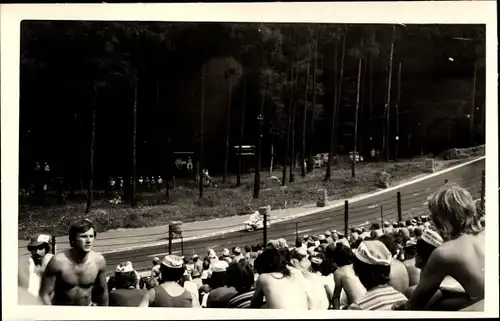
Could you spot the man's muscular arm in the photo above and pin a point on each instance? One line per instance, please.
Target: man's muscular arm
(101, 286)
(432, 275)
(52, 271)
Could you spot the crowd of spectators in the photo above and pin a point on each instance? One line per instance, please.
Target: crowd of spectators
(431, 262)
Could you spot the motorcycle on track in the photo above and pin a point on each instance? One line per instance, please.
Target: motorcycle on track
(255, 222)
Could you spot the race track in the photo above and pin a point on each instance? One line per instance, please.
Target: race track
(362, 212)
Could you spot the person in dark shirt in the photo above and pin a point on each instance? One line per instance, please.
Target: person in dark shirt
(126, 293)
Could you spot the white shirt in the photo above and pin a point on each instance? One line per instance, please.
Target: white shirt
(36, 274)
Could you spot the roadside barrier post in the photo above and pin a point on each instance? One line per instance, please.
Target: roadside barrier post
(170, 239)
(346, 218)
(381, 215)
(182, 245)
(296, 230)
(53, 244)
(400, 213)
(483, 189)
(265, 229)
(446, 181)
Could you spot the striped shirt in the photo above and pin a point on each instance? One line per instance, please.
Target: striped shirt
(382, 297)
(242, 301)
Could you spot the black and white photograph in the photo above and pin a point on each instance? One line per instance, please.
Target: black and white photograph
(213, 164)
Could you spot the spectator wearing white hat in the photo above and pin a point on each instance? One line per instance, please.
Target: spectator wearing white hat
(226, 256)
(155, 271)
(329, 238)
(322, 239)
(220, 294)
(126, 293)
(453, 212)
(212, 256)
(197, 269)
(372, 264)
(170, 294)
(39, 246)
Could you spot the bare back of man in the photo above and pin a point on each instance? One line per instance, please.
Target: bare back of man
(463, 260)
(282, 292)
(399, 278)
(467, 261)
(413, 271)
(72, 282)
(347, 280)
(317, 291)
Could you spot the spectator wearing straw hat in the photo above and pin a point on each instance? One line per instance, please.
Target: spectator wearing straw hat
(170, 294)
(226, 256)
(126, 293)
(372, 264)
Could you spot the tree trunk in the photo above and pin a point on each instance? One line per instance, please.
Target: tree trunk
(242, 125)
(472, 107)
(287, 148)
(304, 120)
(272, 157)
(371, 101)
(353, 168)
(202, 132)
(396, 147)
(292, 144)
(225, 178)
(313, 109)
(339, 96)
(92, 151)
(388, 104)
(134, 144)
(258, 154)
(328, 174)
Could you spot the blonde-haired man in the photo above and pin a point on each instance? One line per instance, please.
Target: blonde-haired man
(462, 255)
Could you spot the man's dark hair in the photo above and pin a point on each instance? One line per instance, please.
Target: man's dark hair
(170, 274)
(217, 279)
(255, 248)
(78, 228)
(327, 267)
(343, 255)
(248, 249)
(298, 242)
(390, 243)
(424, 251)
(285, 254)
(240, 276)
(185, 260)
(270, 261)
(125, 280)
(417, 231)
(371, 275)
(410, 252)
(375, 226)
(408, 222)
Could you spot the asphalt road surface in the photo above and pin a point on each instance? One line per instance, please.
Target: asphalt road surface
(361, 213)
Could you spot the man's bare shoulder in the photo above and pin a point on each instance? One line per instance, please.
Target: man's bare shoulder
(98, 258)
(446, 254)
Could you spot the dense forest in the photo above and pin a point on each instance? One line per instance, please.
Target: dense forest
(103, 98)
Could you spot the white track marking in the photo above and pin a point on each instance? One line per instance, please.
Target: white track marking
(373, 206)
(304, 231)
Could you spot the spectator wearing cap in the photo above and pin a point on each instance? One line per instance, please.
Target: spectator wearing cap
(387, 229)
(126, 293)
(449, 288)
(453, 212)
(410, 255)
(170, 294)
(372, 264)
(335, 236)
(39, 246)
(322, 239)
(212, 256)
(226, 256)
(248, 252)
(240, 276)
(305, 238)
(348, 287)
(237, 255)
(329, 238)
(398, 278)
(221, 293)
(316, 240)
(281, 288)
